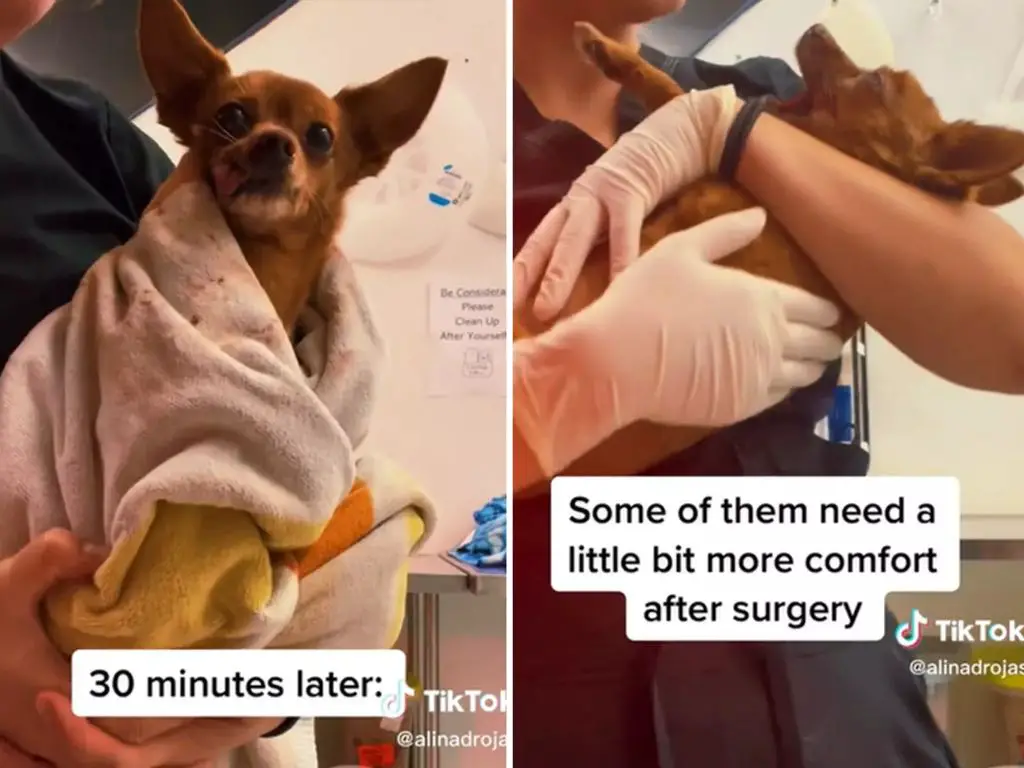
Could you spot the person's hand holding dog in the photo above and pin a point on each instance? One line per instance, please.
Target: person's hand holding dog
(677, 144)
(677, 340)
(29, 663)
(35, 711)
(194, 743)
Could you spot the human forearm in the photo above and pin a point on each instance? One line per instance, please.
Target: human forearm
(944, 282)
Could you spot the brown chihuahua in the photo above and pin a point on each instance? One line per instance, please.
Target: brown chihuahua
(882, 117)
(279, 153)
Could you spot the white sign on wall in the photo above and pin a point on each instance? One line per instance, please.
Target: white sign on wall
(469, 337)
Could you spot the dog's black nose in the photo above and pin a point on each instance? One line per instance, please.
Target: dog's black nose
(271, 152)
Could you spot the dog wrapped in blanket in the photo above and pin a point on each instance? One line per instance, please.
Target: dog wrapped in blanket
(199, 406)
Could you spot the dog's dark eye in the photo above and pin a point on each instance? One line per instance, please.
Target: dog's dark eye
(233, 120)
(319, 139)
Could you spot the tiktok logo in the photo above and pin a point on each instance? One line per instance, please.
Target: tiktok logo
(909, 634)
(393, 705)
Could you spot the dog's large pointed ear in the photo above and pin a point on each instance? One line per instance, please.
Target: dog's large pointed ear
(977, 161)
(179, 63)
(383, 115)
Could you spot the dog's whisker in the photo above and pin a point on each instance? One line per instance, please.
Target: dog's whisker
(320, 206)
(219, 133)
(224, 131)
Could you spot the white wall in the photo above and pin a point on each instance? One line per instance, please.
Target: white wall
(920, 424)
(455, 446)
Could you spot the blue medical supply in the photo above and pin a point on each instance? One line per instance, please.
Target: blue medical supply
(840, 418)
(486, 548)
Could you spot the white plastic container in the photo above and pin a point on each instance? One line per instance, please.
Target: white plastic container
(425, 192)
(489, 209)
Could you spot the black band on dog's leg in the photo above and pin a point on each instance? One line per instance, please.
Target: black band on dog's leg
(282, 728)
(736, 141)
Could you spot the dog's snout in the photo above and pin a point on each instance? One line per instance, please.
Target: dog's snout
(272, 151)
(820, 31)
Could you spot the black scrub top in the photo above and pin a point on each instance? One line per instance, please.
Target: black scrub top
(75, 176)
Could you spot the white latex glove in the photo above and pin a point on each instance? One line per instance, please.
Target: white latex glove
(678, 340)
(676, 145)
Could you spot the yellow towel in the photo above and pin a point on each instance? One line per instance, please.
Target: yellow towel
(203, 578)
(352, 594)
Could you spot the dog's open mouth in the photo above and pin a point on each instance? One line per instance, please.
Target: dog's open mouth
(818, 90)
(231, 181)
(260, 186)
(797, 105)
(822, 64)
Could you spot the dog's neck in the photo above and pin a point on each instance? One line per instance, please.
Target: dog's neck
(287, 262)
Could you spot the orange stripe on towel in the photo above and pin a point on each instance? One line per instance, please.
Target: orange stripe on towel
(352, 519)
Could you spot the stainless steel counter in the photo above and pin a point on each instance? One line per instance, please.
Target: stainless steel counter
(430, 577)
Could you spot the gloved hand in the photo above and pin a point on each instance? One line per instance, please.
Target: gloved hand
(676, 339)
(676, 145)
